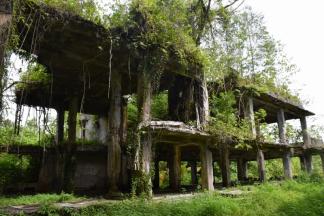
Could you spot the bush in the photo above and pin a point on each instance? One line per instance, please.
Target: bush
(13, 169)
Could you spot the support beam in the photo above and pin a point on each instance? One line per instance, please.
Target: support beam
(308, 162)
(286, 160)
(225, 165)
(144, 99)
(207, 175)
(249, 115)
(69, 157)
(242, 169)
(193, 169)
(322, 159)
(124, 174)
(281, 126)
(5, 20)
(261, 165)
(175, 168)
(156, 180)
(201, 103)
(59, 126)
(302, 163)
(114, 147)
(72, 120)
(306, 137)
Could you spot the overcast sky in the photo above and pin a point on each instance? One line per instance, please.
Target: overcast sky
(298, 24)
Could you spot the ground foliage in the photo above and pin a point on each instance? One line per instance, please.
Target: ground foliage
(303, 196)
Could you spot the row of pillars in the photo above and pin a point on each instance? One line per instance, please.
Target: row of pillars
(305, 163)
(207, 178)
(174, 164)
(255, 126)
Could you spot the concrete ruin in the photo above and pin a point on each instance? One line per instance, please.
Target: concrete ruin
(76, 54)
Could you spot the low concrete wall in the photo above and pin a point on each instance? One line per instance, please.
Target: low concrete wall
(90, 174)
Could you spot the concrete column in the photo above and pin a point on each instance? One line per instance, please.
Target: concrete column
(308, 162)
(69, 153)
(5, 25)
(193, 169)
(114, 147)
(144, 99)
(241, 169)
(281, 126)
(156, 180)
(249, 115)
(59, 126)
(207, 175)
(286, 160)
(302, 163)
(175, 168)
(225, 165)
(261, 165)
(72, 119)
(322, 159)
(124, 174)
(201, 102)
(306, 137)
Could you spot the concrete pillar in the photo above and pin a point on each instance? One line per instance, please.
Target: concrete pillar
(69, 157)
(144, 99)
(322, 159)
(249, 115)
(308, 162)
(114, 147)
(201, 102)
(193, 170)
(241, 169)
(59, 126)
(302, 163)
(281, 126)
(207, 174)
(156, 180)
(124, 174)
(5, 25)
(225, 165)
(261, 165)
(72, 120)
(306, 137)
(286, 160)
(175, 168)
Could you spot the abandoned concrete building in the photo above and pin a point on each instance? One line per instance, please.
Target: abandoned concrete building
(93, 73)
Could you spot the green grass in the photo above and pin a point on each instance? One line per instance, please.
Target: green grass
(43, 199)
(283, 198)
(305, 196)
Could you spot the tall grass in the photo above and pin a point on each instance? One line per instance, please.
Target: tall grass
(302, 197)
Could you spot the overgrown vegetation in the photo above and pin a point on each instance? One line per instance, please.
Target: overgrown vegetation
(43, 199)
(16, 169)
(302, 197)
